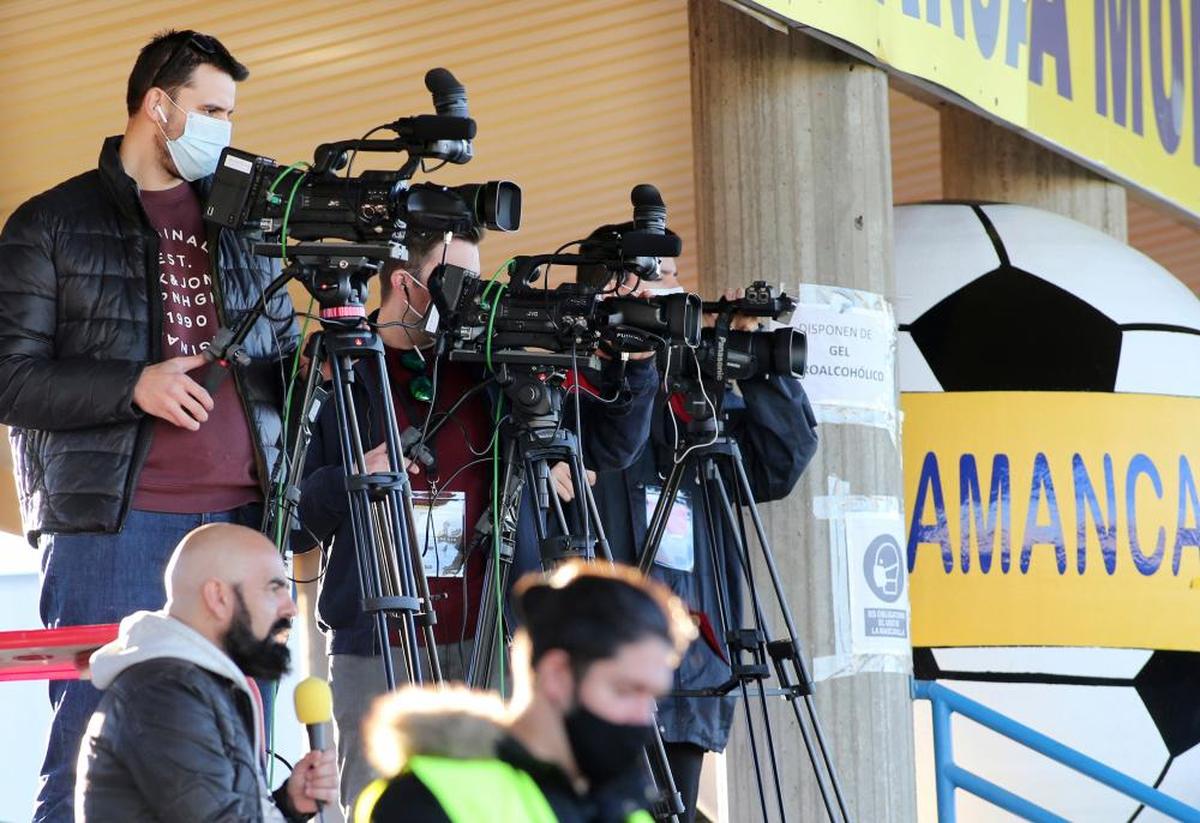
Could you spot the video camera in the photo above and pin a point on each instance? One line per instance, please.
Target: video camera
(502, 322)
(727, 354)
(252, 194)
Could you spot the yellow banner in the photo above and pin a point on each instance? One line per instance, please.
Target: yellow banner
(1115, 82)
(1053, 518)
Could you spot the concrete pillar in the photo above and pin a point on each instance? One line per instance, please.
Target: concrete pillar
(793, 182)
(984, 161)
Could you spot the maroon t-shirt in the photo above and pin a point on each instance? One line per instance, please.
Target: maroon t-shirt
(469, 427)
(212, 469)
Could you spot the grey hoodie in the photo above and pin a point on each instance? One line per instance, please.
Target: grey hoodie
(153, 635)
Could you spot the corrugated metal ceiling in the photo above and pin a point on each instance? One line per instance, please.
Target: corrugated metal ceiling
(577, 102)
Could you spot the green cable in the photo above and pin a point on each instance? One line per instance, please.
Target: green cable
(271, 735)
(492, 280)
(496, 544)
(287, 406)
(491, 325)
(487, 289)
(287, 211)
(282, 174)
(287, 410)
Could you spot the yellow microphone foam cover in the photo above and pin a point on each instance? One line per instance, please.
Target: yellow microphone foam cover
(314, 701)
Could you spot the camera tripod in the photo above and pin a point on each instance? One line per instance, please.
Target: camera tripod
(535, 441)
(392, 582)
(707, 449)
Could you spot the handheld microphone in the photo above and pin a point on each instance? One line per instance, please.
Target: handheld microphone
(314, 708)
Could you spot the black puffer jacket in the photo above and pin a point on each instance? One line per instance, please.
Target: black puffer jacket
(176, 737)
(80, 317)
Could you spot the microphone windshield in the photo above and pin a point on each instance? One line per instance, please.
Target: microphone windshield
(314, 701)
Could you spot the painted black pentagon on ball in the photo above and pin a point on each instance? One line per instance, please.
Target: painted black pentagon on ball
(1168, 685)
(1012, 331)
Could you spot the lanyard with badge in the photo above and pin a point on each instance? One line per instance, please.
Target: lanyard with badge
(441, 532)
(677, 549)
(439, 520)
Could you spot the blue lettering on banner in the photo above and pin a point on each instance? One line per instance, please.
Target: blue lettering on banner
(999, 506)
(1049, 39)
(985, 14)
(1106, 530)
(938, 531)
(1186, 535)
(1095, 496)
(1119, 36)
(1168, 102)
(1037, 533)
(1139, 465)
(1018, 31)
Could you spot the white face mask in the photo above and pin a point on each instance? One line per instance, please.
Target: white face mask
(197, 150)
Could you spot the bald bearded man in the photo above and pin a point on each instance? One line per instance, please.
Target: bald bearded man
(178, 734)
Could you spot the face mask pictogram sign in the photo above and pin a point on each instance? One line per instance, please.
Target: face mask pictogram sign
(879, 611)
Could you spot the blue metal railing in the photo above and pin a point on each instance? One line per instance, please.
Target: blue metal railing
(951, 776)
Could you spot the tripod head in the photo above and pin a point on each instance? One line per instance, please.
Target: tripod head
(335, 274)
(536, 402)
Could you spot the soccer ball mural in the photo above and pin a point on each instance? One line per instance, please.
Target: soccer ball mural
(1051, 385)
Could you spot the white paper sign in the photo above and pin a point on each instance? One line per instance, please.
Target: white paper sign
(879, 612)
(851, 349)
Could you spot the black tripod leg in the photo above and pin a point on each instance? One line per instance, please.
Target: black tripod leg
(403, 554)
(309, 409)
(487, 647)
(369, 577)
(428, 618)
(594, 514)
(825, 759)
(669, 805)
(709, 477)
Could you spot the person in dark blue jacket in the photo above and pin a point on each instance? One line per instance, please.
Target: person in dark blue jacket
(772, 422)
(459, 482)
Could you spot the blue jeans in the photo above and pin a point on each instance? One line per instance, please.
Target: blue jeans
(96, 579)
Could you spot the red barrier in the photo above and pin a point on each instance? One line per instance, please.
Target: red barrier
(51, 654)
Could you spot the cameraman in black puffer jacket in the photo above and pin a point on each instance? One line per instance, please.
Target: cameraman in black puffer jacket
(111, 286)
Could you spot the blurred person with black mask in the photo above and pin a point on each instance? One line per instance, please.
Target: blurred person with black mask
(179, 733)
(596, 647)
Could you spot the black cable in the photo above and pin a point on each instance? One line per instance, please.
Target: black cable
(449, 413)
(546, 273)
(436, 379)
(354, 152)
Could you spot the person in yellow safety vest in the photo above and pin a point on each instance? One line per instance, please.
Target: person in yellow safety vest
(597, 646)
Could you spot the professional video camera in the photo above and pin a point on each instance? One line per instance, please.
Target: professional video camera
(730, 354)
(253, 194)
(503, 322)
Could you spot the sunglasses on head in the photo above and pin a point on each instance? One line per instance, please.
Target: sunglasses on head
(195, 40)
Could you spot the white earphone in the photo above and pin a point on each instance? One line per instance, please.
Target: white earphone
(158, 108)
